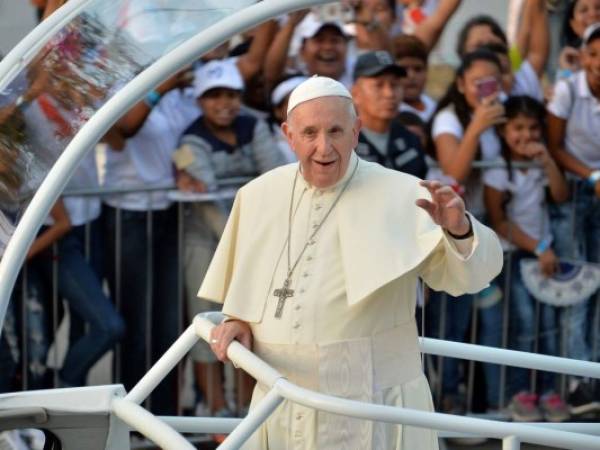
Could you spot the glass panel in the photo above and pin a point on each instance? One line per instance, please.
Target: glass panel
(73, 75)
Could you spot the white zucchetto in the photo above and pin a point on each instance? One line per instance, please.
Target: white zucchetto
(316, 87)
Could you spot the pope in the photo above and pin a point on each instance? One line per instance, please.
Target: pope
(317, 271)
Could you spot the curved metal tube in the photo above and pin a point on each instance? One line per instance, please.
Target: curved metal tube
(102, 120)
(149, 425)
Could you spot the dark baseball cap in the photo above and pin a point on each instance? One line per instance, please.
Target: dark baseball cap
(371, 64)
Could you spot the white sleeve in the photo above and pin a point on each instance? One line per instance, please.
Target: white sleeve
(527, 82)
(444, 122)
(496, 178)
(560, 104)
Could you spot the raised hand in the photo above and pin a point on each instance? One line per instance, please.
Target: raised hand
(446, 208)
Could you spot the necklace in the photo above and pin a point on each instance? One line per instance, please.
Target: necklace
(284, 292)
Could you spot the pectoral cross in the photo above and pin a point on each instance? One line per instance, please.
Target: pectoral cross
(283, 294)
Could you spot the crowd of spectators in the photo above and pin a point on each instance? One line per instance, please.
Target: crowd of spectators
(220, 118)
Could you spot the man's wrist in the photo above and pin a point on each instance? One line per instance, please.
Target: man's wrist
(465, 235)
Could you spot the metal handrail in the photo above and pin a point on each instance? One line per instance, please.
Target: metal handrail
(280, 388)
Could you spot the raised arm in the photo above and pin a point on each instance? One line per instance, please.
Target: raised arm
(60, 226)
(128, 125)
(534, 46)
(277, 55)
(430, 30)
(252, 62)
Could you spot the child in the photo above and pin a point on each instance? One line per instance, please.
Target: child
(221, 143)
(411, 54)
(573, 136)
(515, 201)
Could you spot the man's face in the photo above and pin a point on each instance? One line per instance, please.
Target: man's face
(416, 76)
(323, 133)
(378, 97)
(325, 53)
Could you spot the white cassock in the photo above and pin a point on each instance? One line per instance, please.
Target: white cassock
(349, 330)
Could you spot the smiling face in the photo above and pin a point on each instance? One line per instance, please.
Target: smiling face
(590, 61)
(220, 106)
(585, 13)
(323, 133)
(519, 132)
(325, 53)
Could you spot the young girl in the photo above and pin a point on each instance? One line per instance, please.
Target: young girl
(462, 131)
(516, 203)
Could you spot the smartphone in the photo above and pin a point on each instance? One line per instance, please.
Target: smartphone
(487, 86)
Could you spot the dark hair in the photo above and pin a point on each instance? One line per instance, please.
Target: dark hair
(409, 46)
(456, 98)
(498, 49)
(477, 21)
(568, 35)
(408, 118)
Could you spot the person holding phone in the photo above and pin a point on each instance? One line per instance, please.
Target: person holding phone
(463, 131)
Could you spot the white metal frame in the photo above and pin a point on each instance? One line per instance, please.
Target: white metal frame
(128, 409)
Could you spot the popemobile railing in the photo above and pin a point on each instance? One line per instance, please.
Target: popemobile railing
(572, 436)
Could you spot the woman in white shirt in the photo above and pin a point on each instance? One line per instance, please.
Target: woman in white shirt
(462, 131)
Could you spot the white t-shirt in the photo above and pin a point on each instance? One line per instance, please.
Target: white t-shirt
(146, 158)
(446, 121)
(574, 102)
(527, 205)
(83, 209)
(527, 82)
(426, 114)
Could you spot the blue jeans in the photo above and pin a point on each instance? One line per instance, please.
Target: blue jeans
(147, 294)
(576, 227)
(458, 318)
(522, 320)
(80, 285)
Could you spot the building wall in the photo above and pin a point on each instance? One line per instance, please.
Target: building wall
(17, 18)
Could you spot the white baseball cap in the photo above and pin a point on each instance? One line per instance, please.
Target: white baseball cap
(316, 87)
(311, 25)
(283, 89)
(217, 74)
(593, 31)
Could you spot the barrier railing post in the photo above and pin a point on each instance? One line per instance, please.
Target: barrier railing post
(511, 443)
(252, 421)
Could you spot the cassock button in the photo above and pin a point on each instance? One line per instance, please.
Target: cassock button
(315, 225)
(318, 206)
(305, 274)
(297, 307)
(302, 290)
(296, 325)
(309, 258)
(299, 416)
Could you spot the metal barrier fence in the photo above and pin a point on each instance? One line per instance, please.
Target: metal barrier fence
(434, 366)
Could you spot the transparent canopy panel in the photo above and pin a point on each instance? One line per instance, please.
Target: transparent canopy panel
(74, 74)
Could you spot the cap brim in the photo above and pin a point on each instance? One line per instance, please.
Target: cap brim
(378, 70)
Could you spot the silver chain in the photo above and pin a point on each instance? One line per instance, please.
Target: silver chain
(290, 268)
